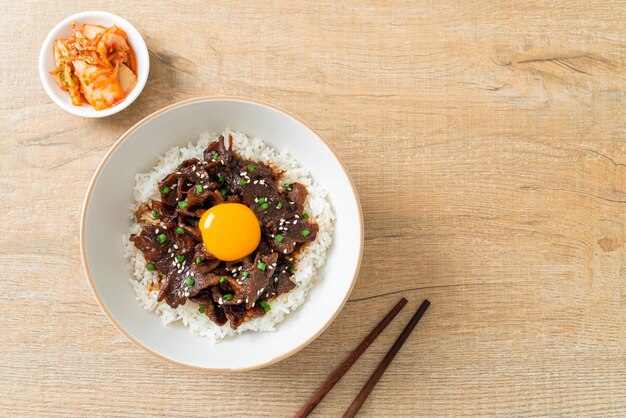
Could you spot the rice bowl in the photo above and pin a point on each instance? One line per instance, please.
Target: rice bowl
(109, 199)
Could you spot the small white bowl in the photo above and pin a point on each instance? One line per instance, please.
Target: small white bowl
(105, 218)
(63, 30)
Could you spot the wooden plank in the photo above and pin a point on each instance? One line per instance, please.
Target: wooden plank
(488, 145)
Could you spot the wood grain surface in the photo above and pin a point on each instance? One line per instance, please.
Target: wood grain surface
(488, 146)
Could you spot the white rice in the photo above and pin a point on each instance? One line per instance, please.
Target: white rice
(306, 265)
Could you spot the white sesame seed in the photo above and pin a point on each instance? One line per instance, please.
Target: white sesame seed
(261, 181)
(285, 251)
(295, 222)
(255, 182)
(297, 217)
(164, 226)
(175, 246)
(156, 231)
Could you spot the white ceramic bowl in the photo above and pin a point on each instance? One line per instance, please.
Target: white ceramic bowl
(105, 218)
(63, 30)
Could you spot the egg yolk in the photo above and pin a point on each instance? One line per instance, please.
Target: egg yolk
(230, 231)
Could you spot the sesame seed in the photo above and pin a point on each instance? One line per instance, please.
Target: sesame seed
(261, 181)
(295, 222)
(175, 246)
(297, 217)
(255, 182)
(285, 251)
(164, 226)
(156, 231)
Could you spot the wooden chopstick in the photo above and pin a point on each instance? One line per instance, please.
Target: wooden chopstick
(348, 362)
(375, 377)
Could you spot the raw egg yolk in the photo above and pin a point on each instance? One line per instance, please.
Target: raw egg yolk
(230, 231)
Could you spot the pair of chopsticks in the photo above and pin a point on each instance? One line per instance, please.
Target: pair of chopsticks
(354, 356)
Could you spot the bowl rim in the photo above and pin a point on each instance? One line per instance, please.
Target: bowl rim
(113, 149)
(140, 49)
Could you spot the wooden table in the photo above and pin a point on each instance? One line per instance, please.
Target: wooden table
(488, 145)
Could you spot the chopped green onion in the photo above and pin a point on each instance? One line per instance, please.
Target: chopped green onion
(150, 267)
(190, 281)
(289, 266)
(261, 266)
(265, 206)
(223, 192)
(201, 309)
(199, 188)
(183, 204)
(305, 233)
(287, 186)
(215, 156)
(180, 258)
(251, 168)
(162, 238)
(246, 274)
(165, 190)
(262, 200)
(279, 238)
(266, 306)
(180, 230)
(227, 296)
(243, 182)
(221, 179)
(223, 279)
(156, 214)
(305, 215)
(198, 261)
(280, 205)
